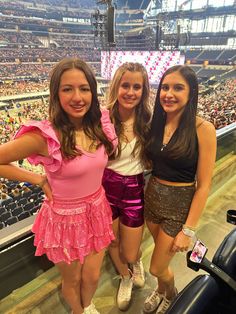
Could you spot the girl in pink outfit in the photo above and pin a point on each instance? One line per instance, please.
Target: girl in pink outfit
(74, 224)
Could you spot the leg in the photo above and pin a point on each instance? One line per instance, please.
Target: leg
(153, 228)
(71, 279)
(161, 257)
(90, 276)
(126, 283)
(160, 261)
(130, 240)
(114, 251)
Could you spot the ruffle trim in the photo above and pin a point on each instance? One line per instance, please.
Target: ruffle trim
(109, 128)
(72, 237)
(53, 162)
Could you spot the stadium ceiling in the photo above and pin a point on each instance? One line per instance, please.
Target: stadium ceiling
(197, 14)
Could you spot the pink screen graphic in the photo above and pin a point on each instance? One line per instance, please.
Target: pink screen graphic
(156, 62)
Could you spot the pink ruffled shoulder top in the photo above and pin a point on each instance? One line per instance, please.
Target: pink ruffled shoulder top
(74, 178)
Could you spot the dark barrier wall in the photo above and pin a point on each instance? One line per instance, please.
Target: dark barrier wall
(111, 24)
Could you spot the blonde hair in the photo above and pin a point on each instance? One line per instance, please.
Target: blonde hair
(142, 110)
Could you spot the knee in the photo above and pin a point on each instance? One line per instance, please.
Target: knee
(115, 244)
(130, 257)
(156, 271)
(70, 283)
(91, 277)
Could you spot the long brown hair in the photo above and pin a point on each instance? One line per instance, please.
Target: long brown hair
(59, 118)
(142, 110)
(185, 141)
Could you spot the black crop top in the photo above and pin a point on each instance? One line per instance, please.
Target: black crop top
(182, 169)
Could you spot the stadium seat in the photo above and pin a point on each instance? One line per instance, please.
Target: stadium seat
(17, 211)
(23, 215)
(5, 216)
(2, 210)
(10, 206)
(225, 256)
(11, 221)
(207, 295)
(22, 201)
(198, 297)
(27, 207)
(34, 210)
(6, 202)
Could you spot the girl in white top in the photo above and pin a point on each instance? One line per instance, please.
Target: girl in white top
(128, 102)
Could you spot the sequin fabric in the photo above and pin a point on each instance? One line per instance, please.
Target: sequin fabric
(167, 205)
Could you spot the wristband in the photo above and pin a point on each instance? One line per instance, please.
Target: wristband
(189, 227)
(188, 232)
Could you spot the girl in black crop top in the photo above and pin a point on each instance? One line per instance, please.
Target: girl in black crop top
(182, 149)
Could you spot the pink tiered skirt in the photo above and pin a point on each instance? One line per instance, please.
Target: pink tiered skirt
(69, 230)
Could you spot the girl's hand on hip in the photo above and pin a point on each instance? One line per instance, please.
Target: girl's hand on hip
(45, 186)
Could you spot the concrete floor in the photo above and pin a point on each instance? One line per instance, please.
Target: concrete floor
(212, 230)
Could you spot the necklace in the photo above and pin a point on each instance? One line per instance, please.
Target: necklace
(163, 147)
(168, 133)
(128, 127)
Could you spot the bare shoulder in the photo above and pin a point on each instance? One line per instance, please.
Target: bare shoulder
(204, 127)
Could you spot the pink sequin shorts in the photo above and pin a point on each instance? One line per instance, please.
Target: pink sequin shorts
(70, 230)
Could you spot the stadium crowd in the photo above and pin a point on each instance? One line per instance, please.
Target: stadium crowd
(217, 107)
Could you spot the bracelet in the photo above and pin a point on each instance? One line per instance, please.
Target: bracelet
(188, 227)
(41, 184)
(188, 232)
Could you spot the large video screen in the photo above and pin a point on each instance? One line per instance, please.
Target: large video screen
(156, 62)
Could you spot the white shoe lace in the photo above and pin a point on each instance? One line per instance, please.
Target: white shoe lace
(125, 288)
(138, 269)
(152, 301)
(163, 306)
(138, 274)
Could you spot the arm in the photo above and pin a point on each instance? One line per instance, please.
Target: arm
(20, 148)
(206, 161)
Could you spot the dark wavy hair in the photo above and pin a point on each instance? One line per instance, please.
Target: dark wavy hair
(142, 110)
(59, 118)
(184, 142)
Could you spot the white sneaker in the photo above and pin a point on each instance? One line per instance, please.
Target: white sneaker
(138, 274)
(124, 292)
(153, 301)
(162, 308)
(90, 309)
